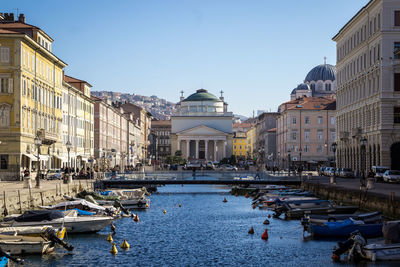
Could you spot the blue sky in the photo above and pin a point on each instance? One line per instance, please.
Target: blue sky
(255, 51)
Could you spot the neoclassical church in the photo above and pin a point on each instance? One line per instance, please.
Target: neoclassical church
(319, 82)
(201, 127)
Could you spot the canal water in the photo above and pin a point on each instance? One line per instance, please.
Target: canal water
(204, 231)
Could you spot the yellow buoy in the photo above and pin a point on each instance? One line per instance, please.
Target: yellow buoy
(164, 211)
(114, 249)
(125, 245)
(109, 238)
(147, 205)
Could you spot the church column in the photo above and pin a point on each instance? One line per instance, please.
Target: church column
(224, 151)
(179, 144)
(215, 150)
(187, 148)
(197, 149)
(206, 149)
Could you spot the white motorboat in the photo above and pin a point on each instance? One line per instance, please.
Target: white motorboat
(72, 222)
(81, 204)
(382, 252)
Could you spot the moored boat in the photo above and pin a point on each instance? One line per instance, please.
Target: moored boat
(55, 218)
(344, 229)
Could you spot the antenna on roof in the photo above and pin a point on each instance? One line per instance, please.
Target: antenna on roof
(221, 92)
(325, 60)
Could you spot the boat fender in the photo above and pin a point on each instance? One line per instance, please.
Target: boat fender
(247, 195)
(269, 216)
(264, 235)
(251, 231)
(253, 206)
(125, 245)
(109, 238)
(114, 249)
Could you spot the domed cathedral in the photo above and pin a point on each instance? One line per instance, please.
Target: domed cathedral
(319, 82)
(201, 127)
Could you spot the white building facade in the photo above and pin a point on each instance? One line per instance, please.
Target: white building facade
(368, 94)
(201, 127)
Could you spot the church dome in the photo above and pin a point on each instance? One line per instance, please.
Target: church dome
(202, 95)
(303, 86)
(321, 72)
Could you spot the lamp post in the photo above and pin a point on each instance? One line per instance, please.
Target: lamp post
(69, 146)
(333, 178)
(301, 164)
(289, 161)
(363, 143)
(38, 143)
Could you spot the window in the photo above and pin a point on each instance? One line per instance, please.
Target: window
(4, 162)
(307, 120)
(307, 135)
(333, 120)
(328, 87)
(240, 147)
(294, 120)
(306, 148)
(397, 18)
(396, 50)
(4, 54)
(319, 120)
(6, 85)
(396, 82)
(333, 135)
(396, 114)
(320, 149)
(319, 135)
(294, 135)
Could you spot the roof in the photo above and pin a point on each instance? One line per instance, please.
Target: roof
(202, 95)
(321, 72)
(353, 18)
(70, 79)
(242, 125)
(310, 103)
(23, 26)
(8, 31)
(161, 123)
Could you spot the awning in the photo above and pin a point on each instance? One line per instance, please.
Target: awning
(44, 157)
(32, 157)
(64, 159)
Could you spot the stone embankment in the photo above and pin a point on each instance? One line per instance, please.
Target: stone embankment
(382, 197)
(14, 198)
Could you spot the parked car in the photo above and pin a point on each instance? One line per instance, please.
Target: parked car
(346, 172)
(327, 171)
(331, 171)
(391, 176)
(53, 175)
(228, 167)
(379, 171)
(210, 165)
(193, 165)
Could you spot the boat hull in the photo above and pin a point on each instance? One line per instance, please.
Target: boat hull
(366, 230)
(382, 252)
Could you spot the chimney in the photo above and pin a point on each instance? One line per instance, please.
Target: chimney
(21, 18)
(11, 16)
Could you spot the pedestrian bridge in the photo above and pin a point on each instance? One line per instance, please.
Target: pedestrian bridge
(135, 179)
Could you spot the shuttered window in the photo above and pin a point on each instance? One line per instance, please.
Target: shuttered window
(397, 82)
(397, 18)
(4, 54)
(396, 114)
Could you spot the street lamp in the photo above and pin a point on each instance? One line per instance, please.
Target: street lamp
(363, 143)
(38, 143)
(289, 161)
(69, 146)
(333, 178)
(300, 164)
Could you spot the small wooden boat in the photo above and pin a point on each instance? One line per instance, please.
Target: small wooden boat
(345, 228)
(17, 245)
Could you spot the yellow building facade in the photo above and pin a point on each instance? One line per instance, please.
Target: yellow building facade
(239, 143)
(251, 140)
(30, 99)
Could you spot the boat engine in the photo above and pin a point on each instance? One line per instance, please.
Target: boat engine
(353, 246)
(51, 235)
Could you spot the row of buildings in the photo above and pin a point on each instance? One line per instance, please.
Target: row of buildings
(51, 119)
(348, 114)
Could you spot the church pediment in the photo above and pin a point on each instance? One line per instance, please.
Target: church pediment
(201, 130)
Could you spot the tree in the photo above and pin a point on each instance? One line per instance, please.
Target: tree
(178, 153)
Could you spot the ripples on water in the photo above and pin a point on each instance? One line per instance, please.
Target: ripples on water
(203, 232)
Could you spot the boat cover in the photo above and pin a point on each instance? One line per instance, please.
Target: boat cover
(78, 202)
(39, 215)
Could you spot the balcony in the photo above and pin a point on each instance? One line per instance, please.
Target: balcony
(47, 137)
